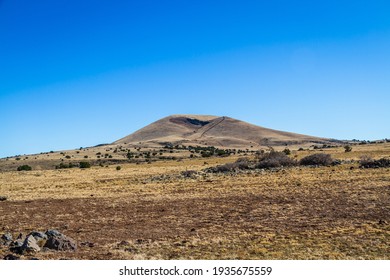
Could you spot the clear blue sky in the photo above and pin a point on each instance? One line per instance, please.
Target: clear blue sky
(80, 73)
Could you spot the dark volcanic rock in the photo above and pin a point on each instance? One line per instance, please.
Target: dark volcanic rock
(16, 249)
(87, 244)
(6, 239)
(53, 233)
(11, 257)
(60, 242)
(16, 245)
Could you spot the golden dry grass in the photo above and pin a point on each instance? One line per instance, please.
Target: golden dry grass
(339, 212)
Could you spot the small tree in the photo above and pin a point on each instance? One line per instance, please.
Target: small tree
(347, 148)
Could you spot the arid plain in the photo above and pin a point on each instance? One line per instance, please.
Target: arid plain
(160, 210)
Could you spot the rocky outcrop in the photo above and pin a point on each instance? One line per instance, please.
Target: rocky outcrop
(58, 241)
(37, 241)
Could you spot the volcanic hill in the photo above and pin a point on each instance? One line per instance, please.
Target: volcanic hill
(213, 131)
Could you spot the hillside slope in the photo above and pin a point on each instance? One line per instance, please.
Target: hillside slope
(213, 131)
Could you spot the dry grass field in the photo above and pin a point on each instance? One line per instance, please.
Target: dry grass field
(153, 211)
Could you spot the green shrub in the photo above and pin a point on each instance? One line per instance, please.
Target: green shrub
(24, 168)
(85, 164)
(118, 168)
(64, 165)
(347, 148)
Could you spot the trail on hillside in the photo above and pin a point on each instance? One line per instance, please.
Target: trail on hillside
(214, 125)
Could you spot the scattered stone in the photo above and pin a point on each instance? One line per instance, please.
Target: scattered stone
(87, 244)
(60, 242)
(30, 245)
(129, 249)
(53, 233)
(16, 247)
(40, 237)
(17, 243)
(6, 239)
(11, 257)
(141, 241)
(123, 243)
(189, 174)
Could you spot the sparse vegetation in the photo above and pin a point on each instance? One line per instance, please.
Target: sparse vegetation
(65, 165)
(274, 159)
(176, 210)
(368, 162)
(130, 155)
(319, 159)
(24, 168)
(84, 164)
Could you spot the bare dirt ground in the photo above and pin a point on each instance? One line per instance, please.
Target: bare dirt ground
(152, 211)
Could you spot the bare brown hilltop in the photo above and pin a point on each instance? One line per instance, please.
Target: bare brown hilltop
(214, 131)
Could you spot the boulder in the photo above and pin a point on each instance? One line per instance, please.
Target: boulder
(60, 242)
(40, 237)
(6, 239)
(17, 243)
(30, 245)
(53, 233)
(16, 246)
